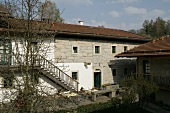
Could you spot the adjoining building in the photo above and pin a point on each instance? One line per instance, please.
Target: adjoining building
(153, 60)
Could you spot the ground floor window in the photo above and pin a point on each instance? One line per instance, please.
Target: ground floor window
(125, 71)
(75, 75)
(35, 78)
(114, 72)
(8, 81)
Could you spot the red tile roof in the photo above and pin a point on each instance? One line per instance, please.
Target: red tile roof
(157, 47)
(96, 31)
(62, 28)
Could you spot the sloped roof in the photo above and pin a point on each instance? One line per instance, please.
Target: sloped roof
(159, 47)
(3, 9)
(96, 31)
(62, 28)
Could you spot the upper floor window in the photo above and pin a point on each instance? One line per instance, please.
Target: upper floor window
(113, 49)
(74, 49)
(34, 46)
(97, 49)
(125, 48)
(75, 75)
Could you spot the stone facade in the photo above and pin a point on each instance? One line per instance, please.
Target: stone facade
(103, 62)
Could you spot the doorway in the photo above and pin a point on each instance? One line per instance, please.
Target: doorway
(97, 79)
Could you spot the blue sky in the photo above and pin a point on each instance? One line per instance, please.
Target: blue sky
(118, 14)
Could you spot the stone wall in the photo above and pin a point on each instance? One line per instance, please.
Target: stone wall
(100, 62)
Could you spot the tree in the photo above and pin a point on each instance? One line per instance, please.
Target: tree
(140, 86)
(156, 29)
(48, 10)
(159, 24)
(24, 42)
(167, 26)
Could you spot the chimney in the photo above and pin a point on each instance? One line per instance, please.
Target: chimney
(81, 22)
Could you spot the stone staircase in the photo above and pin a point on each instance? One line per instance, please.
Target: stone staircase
(49, 70)
(53, 73)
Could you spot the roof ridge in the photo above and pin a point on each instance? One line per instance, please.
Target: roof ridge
(86, 26)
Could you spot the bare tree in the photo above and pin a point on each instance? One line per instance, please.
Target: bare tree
(25, 43)
(49, 11)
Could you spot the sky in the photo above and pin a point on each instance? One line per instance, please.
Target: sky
(117, 14)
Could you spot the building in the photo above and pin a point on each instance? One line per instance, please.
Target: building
(153, 60)
(87, 53)
(66, 56)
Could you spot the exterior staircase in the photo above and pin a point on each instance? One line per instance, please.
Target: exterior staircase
(49, 70)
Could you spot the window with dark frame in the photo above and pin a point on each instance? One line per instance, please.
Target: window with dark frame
(146, 66)
(34, 46)
(75, 49)
(75, 75)
(125, 48)
(35, 78)
(97, 49)
(114, 72)
(113, 49)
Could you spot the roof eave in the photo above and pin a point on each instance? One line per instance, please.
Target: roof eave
(141, 55)
(103, 36)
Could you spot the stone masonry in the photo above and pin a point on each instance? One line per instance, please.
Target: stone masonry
(64, 46)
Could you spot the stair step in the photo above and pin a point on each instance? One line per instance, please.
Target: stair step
(54, 75)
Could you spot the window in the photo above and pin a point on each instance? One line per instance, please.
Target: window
(146, 66)
(5, 49)
(97, 49)
(125, 48)
(113, 49)
(8, 82)
(114, 72)
(75, 49)
(125, 71)
(34, 46)
(35, 78)
(75, 75)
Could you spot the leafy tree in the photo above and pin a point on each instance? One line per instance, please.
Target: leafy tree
(140, 86)
(167, 27)
(159, 24)
(157, 28)
(154, 28)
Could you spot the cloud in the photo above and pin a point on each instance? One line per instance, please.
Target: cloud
(128, 26)
(73, 21)
(123, 1)
(134, 10)
(165, 0)
(97, 23)
(74, 2)
(114, 14)
(144, 13)
(155, 13)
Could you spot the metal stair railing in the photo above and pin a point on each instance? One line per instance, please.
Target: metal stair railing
(57, 72)
(39, 60)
